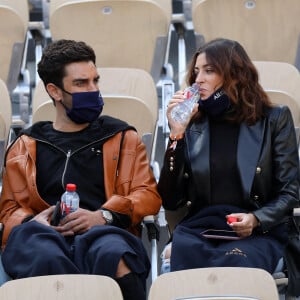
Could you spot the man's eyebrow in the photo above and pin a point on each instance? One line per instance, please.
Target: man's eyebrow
(84, 80)
(81, 80)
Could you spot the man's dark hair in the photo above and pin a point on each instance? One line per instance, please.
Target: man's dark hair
(60, 53)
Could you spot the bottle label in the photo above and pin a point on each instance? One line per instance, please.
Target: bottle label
(69, 203)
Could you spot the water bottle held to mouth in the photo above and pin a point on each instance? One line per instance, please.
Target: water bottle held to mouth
(182, 111)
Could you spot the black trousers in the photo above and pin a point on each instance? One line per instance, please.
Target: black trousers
(34, 249)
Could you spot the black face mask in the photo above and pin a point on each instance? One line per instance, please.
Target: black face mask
(86, 107)
(216, 103)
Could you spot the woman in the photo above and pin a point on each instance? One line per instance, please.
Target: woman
(237, 158)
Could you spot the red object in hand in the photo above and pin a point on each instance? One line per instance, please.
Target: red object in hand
(231, 219)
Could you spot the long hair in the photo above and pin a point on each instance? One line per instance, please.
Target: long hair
(240, 76)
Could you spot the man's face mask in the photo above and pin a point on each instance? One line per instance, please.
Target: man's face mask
(86, 106)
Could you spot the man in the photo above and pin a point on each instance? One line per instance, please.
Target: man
(103, 156)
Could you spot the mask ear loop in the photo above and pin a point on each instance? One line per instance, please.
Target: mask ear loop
(65, 107)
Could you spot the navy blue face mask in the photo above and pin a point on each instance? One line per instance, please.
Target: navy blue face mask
(86, 106)
(216, 103)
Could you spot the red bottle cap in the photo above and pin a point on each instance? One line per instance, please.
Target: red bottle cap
(231, 219)
(71, 187)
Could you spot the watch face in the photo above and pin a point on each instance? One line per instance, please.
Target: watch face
(107, 215)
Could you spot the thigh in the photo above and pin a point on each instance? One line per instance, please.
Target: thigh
(100, 250)
(189, 250)
(34, 249)
(256, 251)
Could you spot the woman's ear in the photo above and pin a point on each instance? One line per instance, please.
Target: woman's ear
(54, 92)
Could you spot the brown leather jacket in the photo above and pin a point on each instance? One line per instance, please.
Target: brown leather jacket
(132, 192)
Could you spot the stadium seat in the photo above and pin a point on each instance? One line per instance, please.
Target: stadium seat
(61, 287)
(279, 76)
(215, 283)
(281, 81)
(13, 27)
(269, 29)
(5, 120)
(123, 33)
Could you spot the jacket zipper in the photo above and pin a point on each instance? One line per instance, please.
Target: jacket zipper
(70, 153)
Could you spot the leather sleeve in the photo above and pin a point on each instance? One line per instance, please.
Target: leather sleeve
(285, 171)
(130, 185)
(171, 185)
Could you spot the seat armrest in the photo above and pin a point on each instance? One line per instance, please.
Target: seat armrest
(152, 227)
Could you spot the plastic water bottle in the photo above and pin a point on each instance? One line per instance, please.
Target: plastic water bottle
(182, 111)
(69, 200)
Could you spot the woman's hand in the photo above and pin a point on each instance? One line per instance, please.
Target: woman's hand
(177, 128)
(79, 222)
(244, 225)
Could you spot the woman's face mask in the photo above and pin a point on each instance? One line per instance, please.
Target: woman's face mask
(86, 106)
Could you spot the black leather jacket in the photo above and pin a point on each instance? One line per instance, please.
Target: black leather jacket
(268, 164)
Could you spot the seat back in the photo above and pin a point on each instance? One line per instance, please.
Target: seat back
(42, 105)
(234, 283)
(123, 33)
(5, 119)
(281, 81)
(282, 97)
(269, 29)
(279, 76)
(61, 287)
(13, 26)
(130, 94)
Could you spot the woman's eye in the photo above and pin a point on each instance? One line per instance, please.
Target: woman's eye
(209, 71)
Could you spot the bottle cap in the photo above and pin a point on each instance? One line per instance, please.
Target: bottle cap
(231, 219)
(71, 187)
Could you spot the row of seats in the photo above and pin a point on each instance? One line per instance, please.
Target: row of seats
(205, 283)
(122, 33)
(135, 33)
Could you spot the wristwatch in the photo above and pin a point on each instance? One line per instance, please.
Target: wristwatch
(107, 216)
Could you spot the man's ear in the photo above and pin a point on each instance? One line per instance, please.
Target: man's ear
(54, 92)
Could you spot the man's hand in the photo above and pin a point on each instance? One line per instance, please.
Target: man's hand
(79, 222)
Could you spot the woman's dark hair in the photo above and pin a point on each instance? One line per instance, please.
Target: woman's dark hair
(60, 53)
(230, 60)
